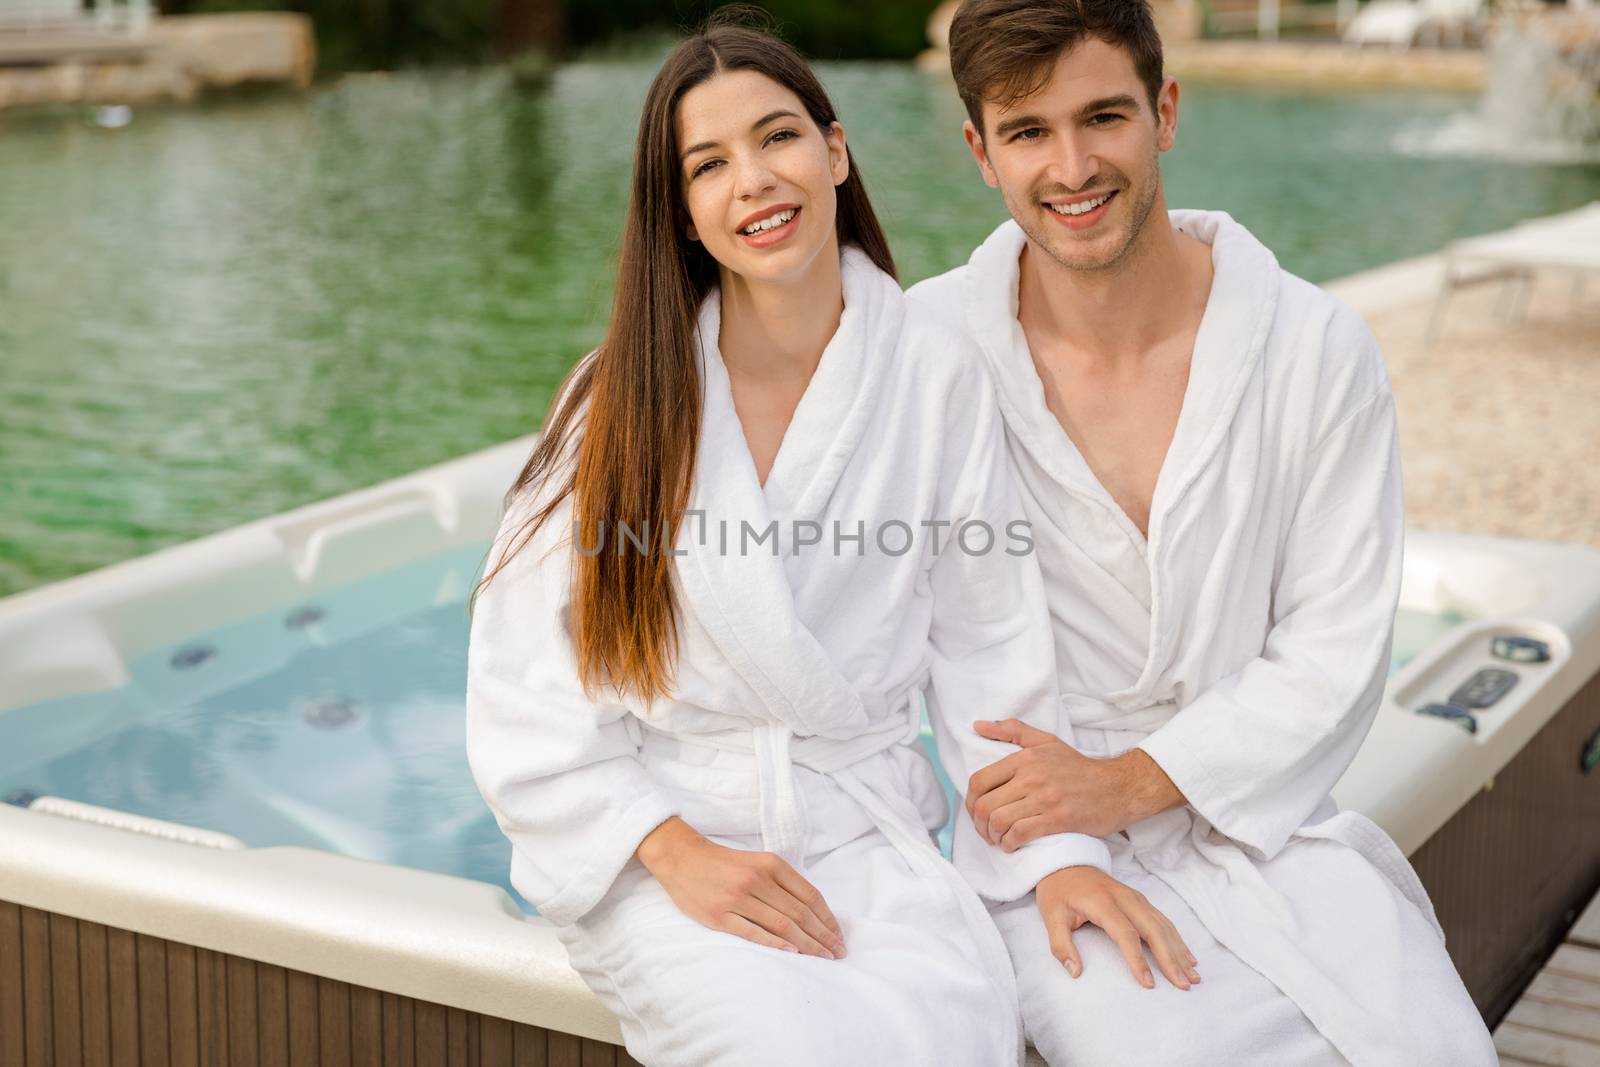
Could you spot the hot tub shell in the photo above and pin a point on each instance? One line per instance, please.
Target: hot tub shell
(1503, 826)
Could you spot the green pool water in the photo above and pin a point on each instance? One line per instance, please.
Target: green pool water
(223, 311)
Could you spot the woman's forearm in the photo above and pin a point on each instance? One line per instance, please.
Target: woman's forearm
(666, 841)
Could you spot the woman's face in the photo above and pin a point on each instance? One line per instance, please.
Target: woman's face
(758, 175)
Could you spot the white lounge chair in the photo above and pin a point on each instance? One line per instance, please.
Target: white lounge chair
(1569, 241)
(1399, 23)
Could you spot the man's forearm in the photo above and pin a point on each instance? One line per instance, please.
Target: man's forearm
(1071, 792)
(1142, 786)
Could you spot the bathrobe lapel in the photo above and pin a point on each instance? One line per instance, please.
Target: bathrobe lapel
(1241, 305)
(1224, 368)
(744, 599)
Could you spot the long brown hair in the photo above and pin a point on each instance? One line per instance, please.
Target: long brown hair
(631, 410)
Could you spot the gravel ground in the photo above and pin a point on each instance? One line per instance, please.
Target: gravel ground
(1500, 421)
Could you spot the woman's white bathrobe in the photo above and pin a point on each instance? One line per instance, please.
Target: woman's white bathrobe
(794, 718)
(1245, 648)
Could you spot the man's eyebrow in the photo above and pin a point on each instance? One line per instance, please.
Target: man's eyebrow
(756, 125)
(1121, 102)
(1018, 122)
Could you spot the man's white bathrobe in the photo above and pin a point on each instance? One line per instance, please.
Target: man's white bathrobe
(793, 723)
(1245, 647)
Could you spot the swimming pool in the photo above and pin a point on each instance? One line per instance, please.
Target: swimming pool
(252, 744)
(272, 300)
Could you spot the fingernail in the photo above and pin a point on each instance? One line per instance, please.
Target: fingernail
(789, 948)
(839, 950)
(1149, 983)
(1072, 968)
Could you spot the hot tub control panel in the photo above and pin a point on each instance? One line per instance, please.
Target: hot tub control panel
(1454, 712)
(1519, 649)
(1484, 689)
(1461, 686)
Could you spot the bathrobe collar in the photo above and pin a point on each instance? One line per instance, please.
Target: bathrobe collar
(744, 601)
(1227, 349)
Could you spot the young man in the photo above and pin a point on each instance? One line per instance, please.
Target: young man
(1206, 446)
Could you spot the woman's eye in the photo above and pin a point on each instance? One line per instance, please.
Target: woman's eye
(703, 167)
(782, 135)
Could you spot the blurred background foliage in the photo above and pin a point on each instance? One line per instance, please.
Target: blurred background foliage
(354, 35)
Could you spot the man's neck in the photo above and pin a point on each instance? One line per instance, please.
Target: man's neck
(1117, 315)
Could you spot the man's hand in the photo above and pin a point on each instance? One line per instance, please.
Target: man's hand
(1049, 787)
(1076, 895)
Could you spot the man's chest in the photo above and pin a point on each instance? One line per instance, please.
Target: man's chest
(1121, 423)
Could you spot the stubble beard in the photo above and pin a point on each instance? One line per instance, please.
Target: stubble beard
(1044, 235)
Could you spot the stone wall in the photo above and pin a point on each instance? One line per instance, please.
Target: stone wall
(182, 56)
(1310, 64)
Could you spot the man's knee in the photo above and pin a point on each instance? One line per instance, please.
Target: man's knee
(1105, 1018)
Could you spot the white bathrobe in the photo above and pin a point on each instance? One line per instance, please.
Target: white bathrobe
(1245, 648)
(792, 726)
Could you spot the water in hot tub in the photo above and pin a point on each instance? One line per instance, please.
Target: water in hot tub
(334, 723)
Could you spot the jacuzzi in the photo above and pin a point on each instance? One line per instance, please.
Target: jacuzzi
(240, 815)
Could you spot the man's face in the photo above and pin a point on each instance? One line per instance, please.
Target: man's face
(1077, 162)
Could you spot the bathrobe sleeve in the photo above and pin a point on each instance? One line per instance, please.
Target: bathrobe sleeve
(1256, 752)
(560, 772)
(991, 647)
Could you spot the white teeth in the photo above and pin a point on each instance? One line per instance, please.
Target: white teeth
(1078, 209)
(769, 222)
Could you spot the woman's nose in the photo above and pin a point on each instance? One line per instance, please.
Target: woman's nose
(754, 179)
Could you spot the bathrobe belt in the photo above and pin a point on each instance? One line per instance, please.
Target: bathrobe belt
(1091, 714)
(776, 750)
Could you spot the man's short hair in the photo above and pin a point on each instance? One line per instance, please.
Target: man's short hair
(1003, 50)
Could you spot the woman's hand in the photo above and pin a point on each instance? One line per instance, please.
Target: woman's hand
(1076, 895)
(755, 895)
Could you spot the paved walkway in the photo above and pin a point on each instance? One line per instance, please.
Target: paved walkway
(1500, 421)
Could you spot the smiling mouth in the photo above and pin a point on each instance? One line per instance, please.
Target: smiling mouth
(771, 222)
(1083, 207)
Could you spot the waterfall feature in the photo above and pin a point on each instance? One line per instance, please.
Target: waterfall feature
(1541, 100)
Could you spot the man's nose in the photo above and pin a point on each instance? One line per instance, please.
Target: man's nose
(1074, 165)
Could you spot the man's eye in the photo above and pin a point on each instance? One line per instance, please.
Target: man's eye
(1032, 133)
(1108, 117)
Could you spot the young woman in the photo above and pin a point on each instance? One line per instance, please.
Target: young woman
(767, 514)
